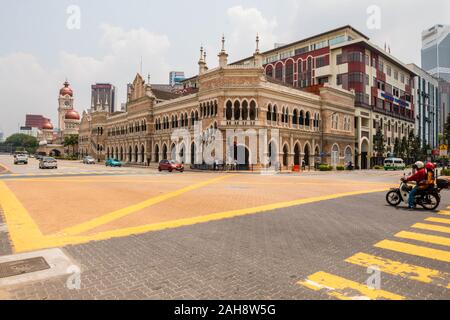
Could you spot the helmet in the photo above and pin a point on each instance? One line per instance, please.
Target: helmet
(430, 166)
(419, 165)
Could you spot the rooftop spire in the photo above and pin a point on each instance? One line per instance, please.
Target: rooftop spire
(257, 43)
(223, 43)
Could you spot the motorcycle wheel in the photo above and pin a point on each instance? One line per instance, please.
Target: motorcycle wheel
(430, 202)
(393, 198)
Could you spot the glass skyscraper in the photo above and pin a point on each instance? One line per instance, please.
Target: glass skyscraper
(436, 51)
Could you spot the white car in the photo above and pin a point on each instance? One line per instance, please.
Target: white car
(20, 158)
(48, 163)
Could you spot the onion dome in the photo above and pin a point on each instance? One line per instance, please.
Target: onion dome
(66, 90)
(72, 115)
(47, 126)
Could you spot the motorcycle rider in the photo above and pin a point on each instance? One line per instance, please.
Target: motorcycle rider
(420, 177)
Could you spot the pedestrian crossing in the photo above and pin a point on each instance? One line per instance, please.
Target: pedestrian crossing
(428, 242)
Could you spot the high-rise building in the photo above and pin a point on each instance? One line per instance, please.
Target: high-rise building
(427, 110)
(103, 97)
(1, 136)
(444, 101)
(175, 78)
(436, 51)
(35, 121)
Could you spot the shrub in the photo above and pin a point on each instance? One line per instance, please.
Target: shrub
(445, 172)
(325, 167)
(340, 168)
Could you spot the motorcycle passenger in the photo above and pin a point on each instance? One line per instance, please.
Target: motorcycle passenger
(431, 180)
(420, 177)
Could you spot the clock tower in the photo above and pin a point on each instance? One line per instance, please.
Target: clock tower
(65, 101)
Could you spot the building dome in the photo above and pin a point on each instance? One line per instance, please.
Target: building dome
(66, 90)
(72, 115)
(47, 126)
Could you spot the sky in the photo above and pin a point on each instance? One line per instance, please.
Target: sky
(43, 42)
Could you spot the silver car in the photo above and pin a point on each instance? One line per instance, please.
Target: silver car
(48, 163)
(88, 160)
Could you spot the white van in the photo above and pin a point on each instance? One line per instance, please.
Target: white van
(394, 164)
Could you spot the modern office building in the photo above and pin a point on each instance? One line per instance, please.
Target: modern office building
(444, 100)
(436, 51)
(35, 121)
(175, 78)
(103, 96)
(345, 58)
(427, 110)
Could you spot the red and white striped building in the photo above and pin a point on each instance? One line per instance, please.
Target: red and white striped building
(345, 58)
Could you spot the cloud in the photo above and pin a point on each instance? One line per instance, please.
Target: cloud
(246, 24)
(30, 87)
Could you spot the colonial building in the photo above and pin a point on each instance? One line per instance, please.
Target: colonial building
(51, 142)
(345, 58)
(314, 126)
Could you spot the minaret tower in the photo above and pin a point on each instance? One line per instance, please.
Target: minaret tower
(257, 56)
(202, 62)
(223, 56)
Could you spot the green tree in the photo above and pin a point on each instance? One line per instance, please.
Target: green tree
(378, 143)
(23, 142)
(403, 147)
(70, 142)
(397, 147)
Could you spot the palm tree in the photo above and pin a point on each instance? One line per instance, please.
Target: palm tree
(71, 141)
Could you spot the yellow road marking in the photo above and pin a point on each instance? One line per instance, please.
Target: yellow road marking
(5, 167)
(345, 289)
(404, 270)
(414, 250)
(220, 216)
(57, 240)
(439, 220)
(424, 238)
(107, 218)
(444, 212)
(22, 229)
(431, 227)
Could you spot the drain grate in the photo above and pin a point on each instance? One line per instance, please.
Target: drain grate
(15, 268)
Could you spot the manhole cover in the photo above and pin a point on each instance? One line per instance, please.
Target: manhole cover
(15, 268)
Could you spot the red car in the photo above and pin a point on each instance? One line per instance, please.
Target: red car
(170, 165)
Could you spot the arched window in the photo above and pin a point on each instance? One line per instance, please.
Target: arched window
(301, 120)
(215, 108)
(275, 114)
(142, 154)
(269, 71)
(279, 71)
(295, 117)
(252, 110)
(289, 73)
(136, 154)
(157, 153)
(229, 110)
(308, 119)
(269, 112)
(237, 110)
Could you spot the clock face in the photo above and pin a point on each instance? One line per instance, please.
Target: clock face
(67, 103)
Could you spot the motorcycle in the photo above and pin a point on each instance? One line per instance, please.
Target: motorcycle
(429, 198)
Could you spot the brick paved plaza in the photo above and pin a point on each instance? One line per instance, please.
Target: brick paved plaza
(138, 234)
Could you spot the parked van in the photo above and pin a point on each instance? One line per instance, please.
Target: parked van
(394, 164)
